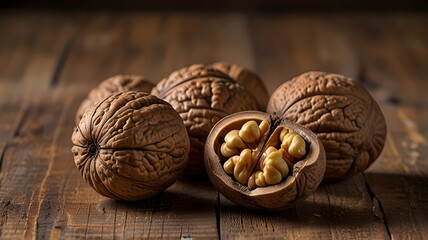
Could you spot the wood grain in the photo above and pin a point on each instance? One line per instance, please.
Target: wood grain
(333, 212)
(397, 85)
(50, 60)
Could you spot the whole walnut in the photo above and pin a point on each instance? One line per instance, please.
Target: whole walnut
(202, 96)
(341, 112)
(117, 83)
(248, 79)
(130, 146)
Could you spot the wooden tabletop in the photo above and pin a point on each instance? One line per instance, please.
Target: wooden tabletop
(50, 60)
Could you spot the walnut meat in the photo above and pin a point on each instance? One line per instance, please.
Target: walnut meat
(341, 112)
(256, 168)
(130, 146)
(117, 83)
(202, 96)
(248, 79)
(262, 161)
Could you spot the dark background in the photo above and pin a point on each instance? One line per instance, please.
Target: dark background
(271, 5)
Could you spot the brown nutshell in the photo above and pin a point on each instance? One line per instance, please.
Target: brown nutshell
(248, 79)
(303, 178)
(130, 146)
(202, 96)
(341, 112)
(114, 84)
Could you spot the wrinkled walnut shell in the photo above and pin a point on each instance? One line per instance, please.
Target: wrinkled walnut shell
(114, 84)
(202, 96)
(248, 79)
(130, 146)
(305, 177)
(341, 112)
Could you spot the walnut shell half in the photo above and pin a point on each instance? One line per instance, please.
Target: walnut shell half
(202, 96)
(341, 112)
(303, 178)
(130, 146)
(114, 84)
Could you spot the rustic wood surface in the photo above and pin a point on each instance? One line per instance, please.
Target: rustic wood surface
(50, 60)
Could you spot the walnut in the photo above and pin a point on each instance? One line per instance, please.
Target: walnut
(248, 79)
(262, 161)
(202, 96)
(117, 83)
(341, 112)
(130, 146)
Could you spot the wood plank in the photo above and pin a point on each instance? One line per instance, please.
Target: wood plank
(206, 38)
(154, 45)
(29, 63)
(30, 46)
(276, 61)
(412, 34)
(403, 105)
(29, 50)
(398, 178)
(298, 43)
(110, 44)
(25, 161)
(327, 214)
(18, 29)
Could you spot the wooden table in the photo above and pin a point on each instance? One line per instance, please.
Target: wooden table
(50, 60)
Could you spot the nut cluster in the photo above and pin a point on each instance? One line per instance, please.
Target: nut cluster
(242, 148)
(131, 145)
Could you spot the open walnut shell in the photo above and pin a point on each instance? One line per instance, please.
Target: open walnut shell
(346, 119)
(202, 96)
(248, 79)
(114, 84)
(130, 146)
(302, 179)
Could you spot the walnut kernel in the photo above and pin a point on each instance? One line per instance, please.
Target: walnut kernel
(242, 148)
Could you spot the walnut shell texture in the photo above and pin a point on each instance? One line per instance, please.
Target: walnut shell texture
(305, 177)
(248, 79)
(341, 112)
(202, 96)
(130, 146)
(117, 83)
